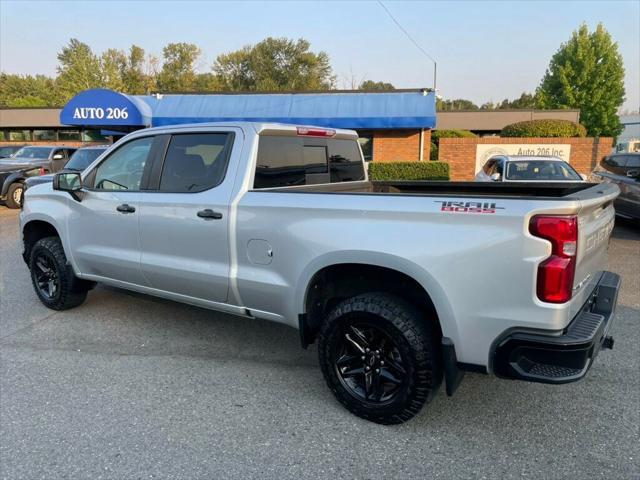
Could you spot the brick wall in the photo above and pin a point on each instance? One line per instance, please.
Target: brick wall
(400, 145)
(460, 153)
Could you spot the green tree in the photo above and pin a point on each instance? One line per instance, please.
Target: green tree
(28, 91)
(275, 64)
(526, 100)
(79, 69)
(370, 85)
(136, 81)
(113, 63)
(178, 70)
(587, 73)
(444, 105)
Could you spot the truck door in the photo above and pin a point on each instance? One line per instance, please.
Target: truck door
(103, 228)
(184, 216)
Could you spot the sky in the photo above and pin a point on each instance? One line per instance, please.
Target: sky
(485, 51)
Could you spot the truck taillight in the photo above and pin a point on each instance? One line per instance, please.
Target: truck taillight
(556, 273)
(315, 132)
(42, 171)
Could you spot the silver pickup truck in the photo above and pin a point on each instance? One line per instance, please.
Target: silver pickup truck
(401, 284)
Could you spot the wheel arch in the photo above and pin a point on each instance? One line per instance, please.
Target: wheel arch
(34, 230)
(16, 177)
(330, 279)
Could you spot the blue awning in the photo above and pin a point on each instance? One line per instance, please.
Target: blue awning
(359, 110)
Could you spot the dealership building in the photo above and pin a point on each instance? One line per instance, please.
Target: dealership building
(393, 125)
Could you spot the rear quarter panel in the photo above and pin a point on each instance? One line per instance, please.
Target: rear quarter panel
(478, 268)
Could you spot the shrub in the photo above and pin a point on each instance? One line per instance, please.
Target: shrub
(544, 128)
(387, 171)
(436, 135)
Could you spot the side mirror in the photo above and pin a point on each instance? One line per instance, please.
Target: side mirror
(67, 182)
(58, 156)
(633, 173)
(495, 177)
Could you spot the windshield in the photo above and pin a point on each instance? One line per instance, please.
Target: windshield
(33, 152)
(82, 158)
(536, 170)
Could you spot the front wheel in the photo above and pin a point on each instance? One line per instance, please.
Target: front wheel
(52, 276)
(380, 357)
(14, 195)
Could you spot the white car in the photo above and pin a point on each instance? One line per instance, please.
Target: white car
(503, 168)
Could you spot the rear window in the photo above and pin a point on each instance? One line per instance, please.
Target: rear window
(541, 170)
(286, 161)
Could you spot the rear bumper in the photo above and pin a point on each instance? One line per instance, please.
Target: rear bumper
(536, 357)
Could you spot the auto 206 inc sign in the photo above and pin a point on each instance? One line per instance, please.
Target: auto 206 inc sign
(485, 151)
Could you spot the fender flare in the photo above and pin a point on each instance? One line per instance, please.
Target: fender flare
(15, 177)
(384, 260)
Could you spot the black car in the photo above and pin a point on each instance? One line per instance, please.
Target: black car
(8, 150)
(80, 160)
(27, 162)
(627, 204)
(621, 163)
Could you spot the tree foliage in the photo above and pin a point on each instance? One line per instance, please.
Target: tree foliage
(372, 86)
(178, 73)
(587, 72)
(274, 64)
(79, 69)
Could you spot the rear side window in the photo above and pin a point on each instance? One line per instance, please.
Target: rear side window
(195, 162)
(286, 161)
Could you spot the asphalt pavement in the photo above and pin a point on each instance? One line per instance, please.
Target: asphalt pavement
(128, 386)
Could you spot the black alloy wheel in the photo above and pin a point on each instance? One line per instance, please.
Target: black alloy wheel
(369, 364)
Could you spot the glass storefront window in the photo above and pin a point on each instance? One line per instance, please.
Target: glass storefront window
(19, 135)
(93, 136)
(44, 135)
(69, 135)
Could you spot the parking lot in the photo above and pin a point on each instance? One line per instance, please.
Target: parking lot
(128, 386)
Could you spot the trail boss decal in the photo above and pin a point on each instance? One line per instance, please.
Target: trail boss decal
(468, 207)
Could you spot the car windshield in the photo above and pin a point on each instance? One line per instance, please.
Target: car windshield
(36, 153)
(82, 158)
(536, 170)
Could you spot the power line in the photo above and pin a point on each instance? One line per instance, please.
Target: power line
(411, 39)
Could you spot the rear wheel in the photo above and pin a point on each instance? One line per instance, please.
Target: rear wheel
(380, 357)
(52, 276)
(14, 195)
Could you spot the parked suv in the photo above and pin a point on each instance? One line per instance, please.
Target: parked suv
(27, 162)
(401, 284)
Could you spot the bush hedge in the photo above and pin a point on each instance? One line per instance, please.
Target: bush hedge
(387, 171)
(544, 128)
(436, 135)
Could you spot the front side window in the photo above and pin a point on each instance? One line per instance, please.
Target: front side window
(123, 169)
(195, 162)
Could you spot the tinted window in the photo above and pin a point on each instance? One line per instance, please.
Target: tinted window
(633, 161)
(345, 161)
(286, 161)
(122, 170)
(81, 159)
(195, 162)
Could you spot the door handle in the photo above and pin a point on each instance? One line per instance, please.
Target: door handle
(209, 214)
(124, 208)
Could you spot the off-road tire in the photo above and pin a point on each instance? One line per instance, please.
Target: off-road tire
(14, 188)
(417, 339)
(71, 291)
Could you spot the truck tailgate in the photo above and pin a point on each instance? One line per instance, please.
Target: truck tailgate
(595, 223)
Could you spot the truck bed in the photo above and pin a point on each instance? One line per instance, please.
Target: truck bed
(459, 189)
